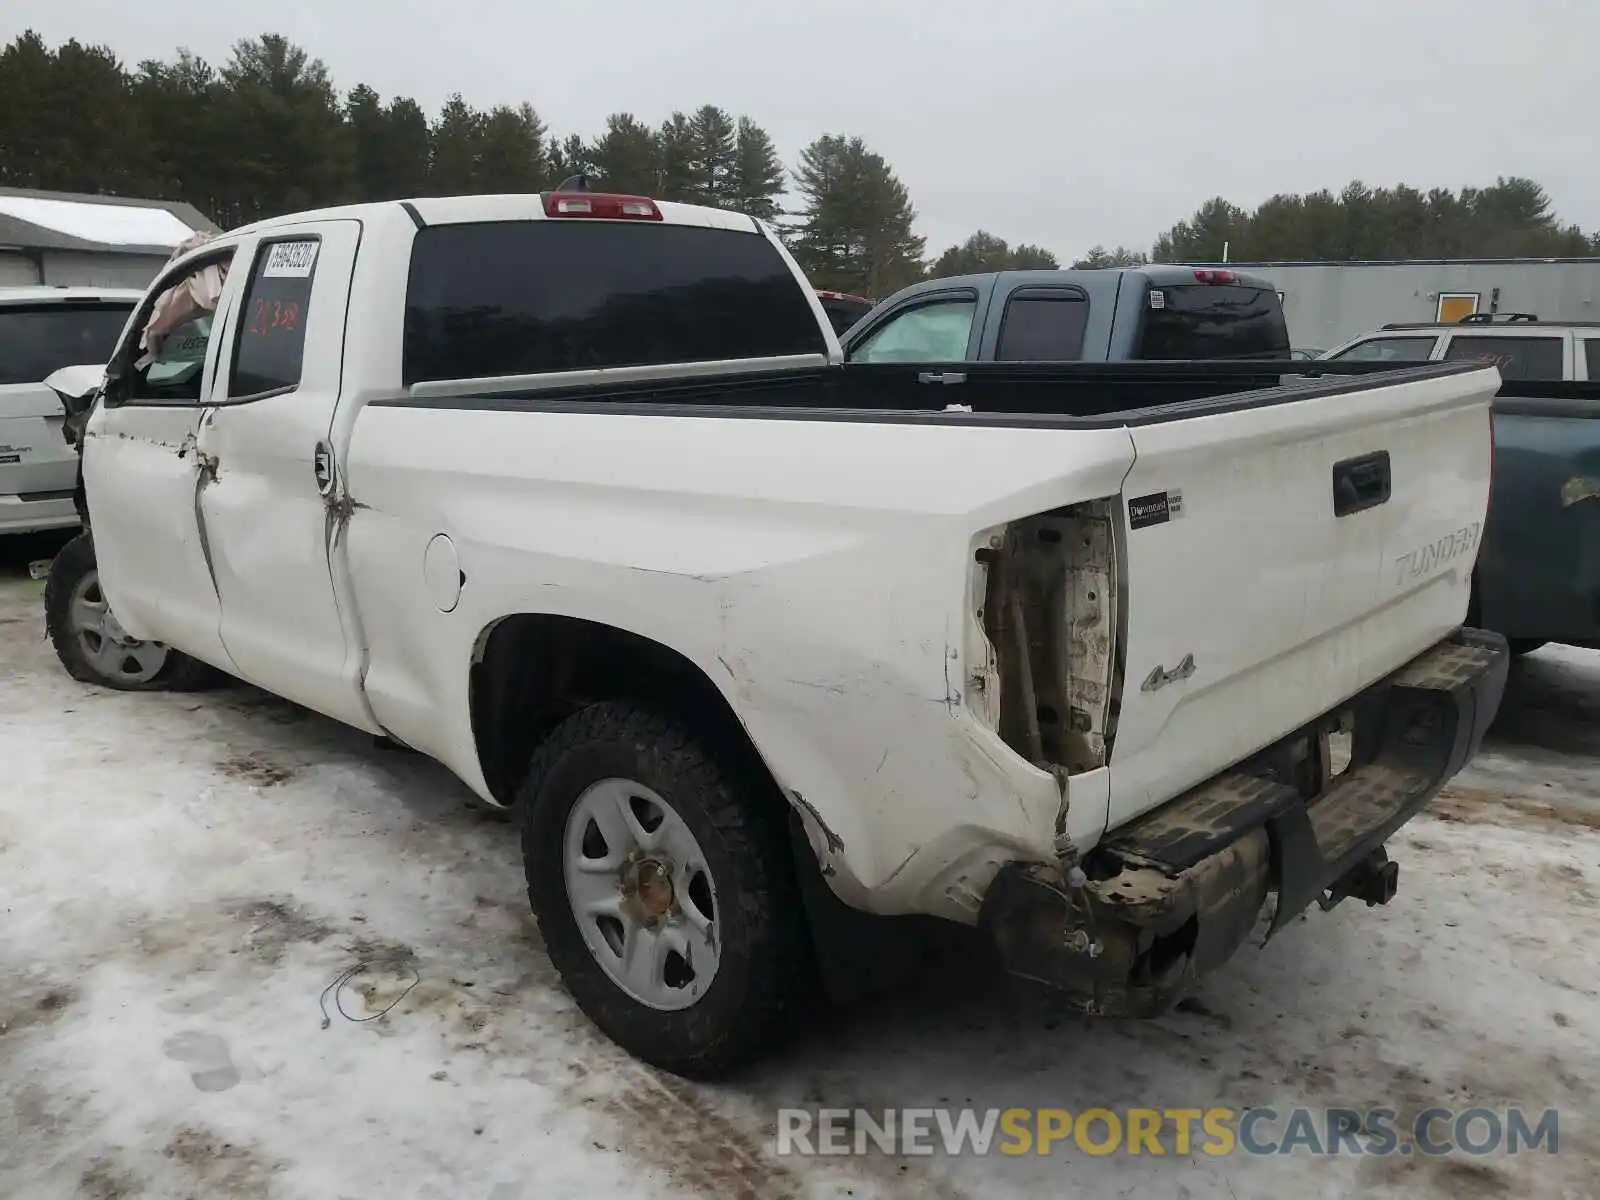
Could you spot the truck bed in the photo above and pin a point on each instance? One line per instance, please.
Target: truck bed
(1055, 395)
(1280, 540)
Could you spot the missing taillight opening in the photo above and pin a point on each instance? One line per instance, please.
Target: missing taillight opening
(1049, 611)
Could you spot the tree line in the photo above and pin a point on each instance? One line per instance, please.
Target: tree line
(269, 132)
(1512, 218)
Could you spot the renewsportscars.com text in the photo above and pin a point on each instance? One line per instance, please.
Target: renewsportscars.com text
(836, 1132)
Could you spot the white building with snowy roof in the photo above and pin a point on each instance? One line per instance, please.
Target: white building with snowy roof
(65, 239)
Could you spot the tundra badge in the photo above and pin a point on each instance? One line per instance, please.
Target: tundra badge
(1160, 676)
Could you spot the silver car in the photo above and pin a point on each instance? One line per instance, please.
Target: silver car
(41, 330)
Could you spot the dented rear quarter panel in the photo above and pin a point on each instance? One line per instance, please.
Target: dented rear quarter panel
(817, 573)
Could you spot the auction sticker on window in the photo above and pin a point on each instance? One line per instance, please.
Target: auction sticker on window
(290, 260)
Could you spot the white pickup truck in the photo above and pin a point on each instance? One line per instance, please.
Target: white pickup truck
(573, 493)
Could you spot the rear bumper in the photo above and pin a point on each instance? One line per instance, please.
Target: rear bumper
(1172, 895)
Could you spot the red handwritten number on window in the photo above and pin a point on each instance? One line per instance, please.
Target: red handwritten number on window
(1496, 360)
(269, 315)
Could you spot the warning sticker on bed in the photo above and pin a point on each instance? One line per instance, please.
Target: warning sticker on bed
(1155, 509)
(289, 260)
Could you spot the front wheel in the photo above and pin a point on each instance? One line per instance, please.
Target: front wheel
(91, 643)
(664, 890)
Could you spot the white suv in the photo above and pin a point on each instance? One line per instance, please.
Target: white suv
(41, 330)
(1520, 344)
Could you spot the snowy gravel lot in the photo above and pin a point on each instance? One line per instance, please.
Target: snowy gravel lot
(182, 876)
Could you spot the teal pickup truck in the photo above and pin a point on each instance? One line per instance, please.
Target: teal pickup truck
(1538, 574)
(1134, 313)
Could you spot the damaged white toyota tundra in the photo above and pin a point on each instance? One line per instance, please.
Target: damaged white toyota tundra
(573, 493)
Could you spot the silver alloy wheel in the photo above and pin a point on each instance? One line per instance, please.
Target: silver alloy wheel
(641, 893)
(106, 645)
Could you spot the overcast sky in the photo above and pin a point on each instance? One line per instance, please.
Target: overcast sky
(1063, 123)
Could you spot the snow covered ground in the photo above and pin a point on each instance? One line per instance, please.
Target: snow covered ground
(182, 876)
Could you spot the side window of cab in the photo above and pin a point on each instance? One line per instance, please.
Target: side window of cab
(164, 359)
(1516, 357)
(1415, 348)
(270, 346)
(935, 331)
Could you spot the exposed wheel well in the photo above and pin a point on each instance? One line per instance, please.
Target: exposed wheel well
(534, 670)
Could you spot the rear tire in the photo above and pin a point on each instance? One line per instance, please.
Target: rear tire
(93, 647)
(664, 887)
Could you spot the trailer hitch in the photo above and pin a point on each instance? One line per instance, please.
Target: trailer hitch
(1374, 879)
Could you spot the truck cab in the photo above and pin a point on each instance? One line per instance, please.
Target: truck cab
(1136, 313)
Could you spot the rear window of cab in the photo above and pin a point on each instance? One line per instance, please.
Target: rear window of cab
(1213, 321)
(499, 298)
(37, 340)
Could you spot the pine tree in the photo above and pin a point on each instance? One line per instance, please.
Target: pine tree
(1216, 226)
(675, 159)
(511, 151)
(455, 148)
(1099, 258)
(66, 123)
(27, 106)
(572, 156)
(291, 149)
(180, 104)
(624, 156)
(713, 137)
(390, 145)
(857, 233)
(983, 251)
(757, 176)
(363, 113)
(99, 141)
(407, 148)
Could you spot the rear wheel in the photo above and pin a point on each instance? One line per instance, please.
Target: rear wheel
(664, 889)
(91, 643)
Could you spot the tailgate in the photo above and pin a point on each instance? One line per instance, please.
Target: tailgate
(1280, 558)
(34, 455)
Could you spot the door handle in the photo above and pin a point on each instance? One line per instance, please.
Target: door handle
(1361, 483)
(322, 468)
